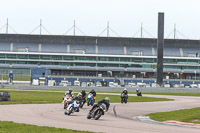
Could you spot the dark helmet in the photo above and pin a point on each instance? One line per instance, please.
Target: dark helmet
(92, 90)
(107, 99)
(83, 90)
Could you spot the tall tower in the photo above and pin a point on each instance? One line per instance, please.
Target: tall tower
(160, 46)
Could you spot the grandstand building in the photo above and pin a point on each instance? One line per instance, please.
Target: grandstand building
(93, 56)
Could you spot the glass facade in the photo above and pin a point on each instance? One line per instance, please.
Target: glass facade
(98, 61)
(15, 71)
(121, 66)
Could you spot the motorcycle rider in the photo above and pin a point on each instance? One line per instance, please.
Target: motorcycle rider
(70, 92)
(78, 98)
(93, 93)
(125, 92)
(83, 95)
(106, 101)
(138, 92)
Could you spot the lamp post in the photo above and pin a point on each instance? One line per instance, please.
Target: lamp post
(195, 74)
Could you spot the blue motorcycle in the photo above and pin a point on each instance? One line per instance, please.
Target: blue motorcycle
(90, 99)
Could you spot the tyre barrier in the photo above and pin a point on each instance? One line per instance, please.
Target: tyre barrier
(4, 96)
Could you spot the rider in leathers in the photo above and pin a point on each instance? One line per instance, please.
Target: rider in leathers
(106, 101)
(68, 92)
(83, 96)
(94, 94)
(78, 98)
(125, 91)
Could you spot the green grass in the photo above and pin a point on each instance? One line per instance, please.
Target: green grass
(10, 127)
(18, 77)
(31, 97)
(37, 97)
(174, 94)
(151, 93)
(117, 99)
(186, 115)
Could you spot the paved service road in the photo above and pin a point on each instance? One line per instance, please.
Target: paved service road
(53, 115)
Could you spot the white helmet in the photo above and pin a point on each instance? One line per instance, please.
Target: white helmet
(125, 89)
(107, 99)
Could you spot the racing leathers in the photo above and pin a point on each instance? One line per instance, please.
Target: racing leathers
(99, 103)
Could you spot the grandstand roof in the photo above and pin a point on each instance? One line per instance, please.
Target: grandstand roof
(93, 39)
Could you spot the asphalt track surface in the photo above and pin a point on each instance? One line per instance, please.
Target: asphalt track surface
(53, 115)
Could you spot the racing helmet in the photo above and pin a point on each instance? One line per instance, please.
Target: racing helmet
(83, 90)
(107, 99)
(125, 89)
(92, 90)
(70, 90)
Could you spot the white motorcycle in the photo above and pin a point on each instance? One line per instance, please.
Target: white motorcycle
(67, 100)
(73, 107)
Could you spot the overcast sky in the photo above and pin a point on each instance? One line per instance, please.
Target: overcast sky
(91, 16)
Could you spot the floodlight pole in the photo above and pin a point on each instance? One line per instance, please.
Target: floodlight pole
(108, 29)
(174, 31)
(40, 26)
(141, 30)
(74, 28)
(7, 27)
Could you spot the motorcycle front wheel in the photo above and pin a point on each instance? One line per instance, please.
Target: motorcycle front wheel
(67, 112)
(88, 103)
(89, 116)
(126, 100)
(98, 115)
(65, 105)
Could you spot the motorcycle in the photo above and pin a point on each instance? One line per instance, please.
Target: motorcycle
(73, 107)
(97, 112)
(83, 102)
(124, 98)
(67, 100)
(139, 93)
(90, 99)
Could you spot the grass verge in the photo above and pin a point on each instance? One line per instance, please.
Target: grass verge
(174, 94)
(185, 115)
(37, 97)
(151, 93)
(10, 127)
